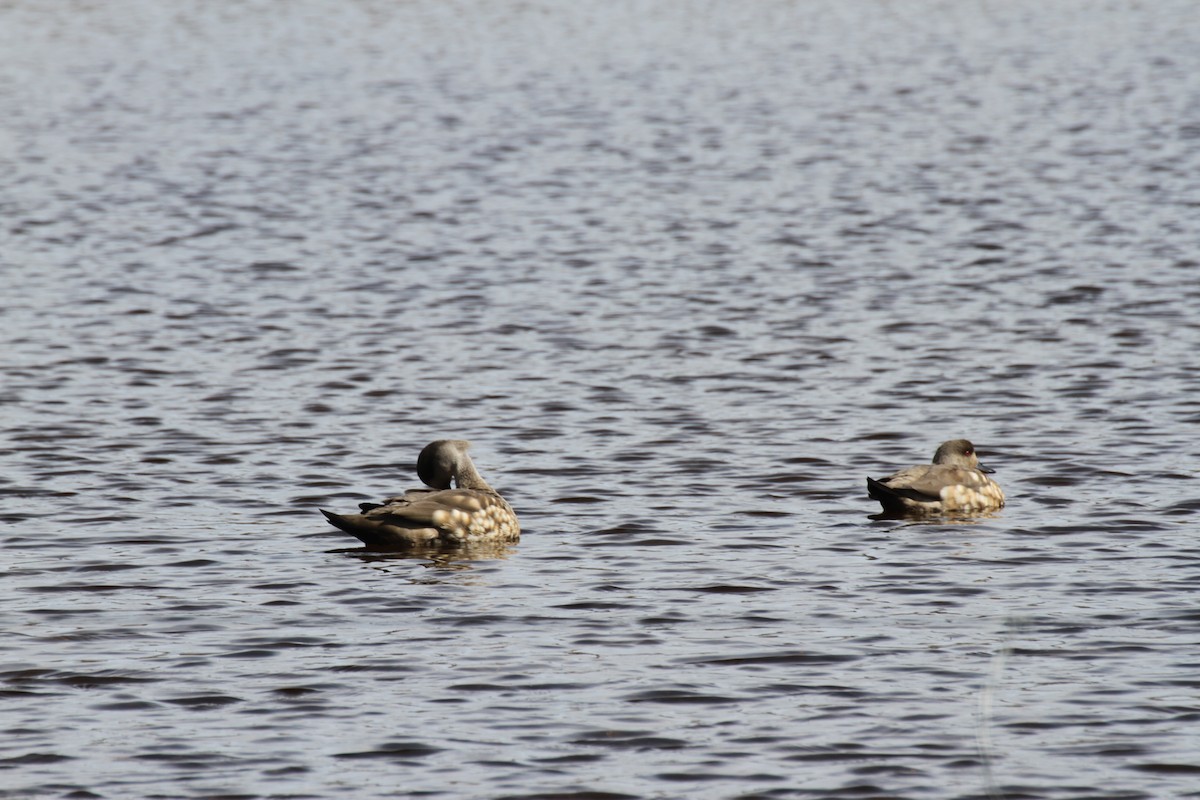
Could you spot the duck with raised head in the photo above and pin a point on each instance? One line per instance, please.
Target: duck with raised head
(440, 516)
(955, 483)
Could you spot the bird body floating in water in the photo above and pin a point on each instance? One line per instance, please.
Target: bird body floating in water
(955, 483)
(440, 516)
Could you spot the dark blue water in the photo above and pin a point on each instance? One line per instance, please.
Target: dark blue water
(685, 274)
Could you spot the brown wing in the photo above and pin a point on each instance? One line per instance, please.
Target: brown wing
(422, 510)
(929, 479)
(411, 496)
(447, 516)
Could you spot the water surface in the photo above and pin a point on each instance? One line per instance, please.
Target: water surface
(685, 274)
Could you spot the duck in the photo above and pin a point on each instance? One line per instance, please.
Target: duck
(955, 483)
(458, 508)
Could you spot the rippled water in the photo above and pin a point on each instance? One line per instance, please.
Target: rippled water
(686, 273)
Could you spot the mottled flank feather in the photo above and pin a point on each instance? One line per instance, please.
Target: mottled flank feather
(441, 516)
(955, 483)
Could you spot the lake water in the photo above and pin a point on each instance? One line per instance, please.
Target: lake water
(685, 273)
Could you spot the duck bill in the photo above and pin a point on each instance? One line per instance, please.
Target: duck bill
(986, 470)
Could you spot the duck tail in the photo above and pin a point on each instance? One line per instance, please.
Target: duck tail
(337, 521)
(886, 497)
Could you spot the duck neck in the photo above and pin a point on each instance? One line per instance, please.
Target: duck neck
(467, 477)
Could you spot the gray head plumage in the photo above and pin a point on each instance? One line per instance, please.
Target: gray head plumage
(958, 453)
(439, 462)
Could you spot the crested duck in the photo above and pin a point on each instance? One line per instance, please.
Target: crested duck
(470, 512)
(954, 483)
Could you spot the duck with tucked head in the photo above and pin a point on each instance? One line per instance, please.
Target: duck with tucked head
(440, 516)
(955, 483)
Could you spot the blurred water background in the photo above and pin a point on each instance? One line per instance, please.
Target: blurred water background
(685, 273)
